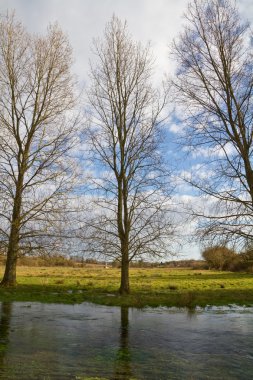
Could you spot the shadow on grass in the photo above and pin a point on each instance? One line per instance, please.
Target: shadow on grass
(139, 299)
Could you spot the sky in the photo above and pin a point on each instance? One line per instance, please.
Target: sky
(155, 21)
(148, 20)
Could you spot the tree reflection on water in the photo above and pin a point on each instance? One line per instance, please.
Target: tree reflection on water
(123, 360)
(5, 319)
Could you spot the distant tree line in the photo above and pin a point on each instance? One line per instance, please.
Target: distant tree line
(223, 258)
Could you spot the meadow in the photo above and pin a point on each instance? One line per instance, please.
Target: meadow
(149, 287)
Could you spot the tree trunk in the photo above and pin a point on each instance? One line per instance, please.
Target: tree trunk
(9, 278)
(124, 283)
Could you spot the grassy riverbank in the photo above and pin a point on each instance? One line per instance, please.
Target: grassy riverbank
(149, 287)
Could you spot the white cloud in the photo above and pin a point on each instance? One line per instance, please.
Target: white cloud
(158, 22)
(175, 128)
(212, 152)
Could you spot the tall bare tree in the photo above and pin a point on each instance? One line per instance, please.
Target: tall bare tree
(213, 85)
(36, 132)
(132, 215)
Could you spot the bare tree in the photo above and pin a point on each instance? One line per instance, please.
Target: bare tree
(36, 132)
(213, 85)
(132, 207)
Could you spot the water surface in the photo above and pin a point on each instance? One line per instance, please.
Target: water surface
(49, 341)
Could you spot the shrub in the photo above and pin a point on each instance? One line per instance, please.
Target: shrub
(172, 287)
(219, 257)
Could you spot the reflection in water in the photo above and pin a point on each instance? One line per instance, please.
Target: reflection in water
(49, 341)
(191, 313)
(123, 360)
(5, 321)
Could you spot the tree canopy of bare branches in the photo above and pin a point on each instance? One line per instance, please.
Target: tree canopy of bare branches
(36, 132)
(132, 207)
(213, 87)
